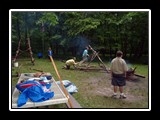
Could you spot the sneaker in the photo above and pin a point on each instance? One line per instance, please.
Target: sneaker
(122, 96)
(114, 95)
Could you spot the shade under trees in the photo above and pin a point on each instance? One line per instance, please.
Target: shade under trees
(65, 32)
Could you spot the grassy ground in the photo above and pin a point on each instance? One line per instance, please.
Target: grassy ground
(94, 87)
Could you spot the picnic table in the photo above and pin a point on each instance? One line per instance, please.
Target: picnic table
(58, 98)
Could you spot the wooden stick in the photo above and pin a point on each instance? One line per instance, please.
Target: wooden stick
(139, 75)
(64, 89)
(93, 57)
(30, 51)
(88, 68)
(18, 51)
(36, 69)
(102, 63)
(98, 57)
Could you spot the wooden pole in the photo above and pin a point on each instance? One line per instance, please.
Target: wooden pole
(139, 75)
(64, 89)
(102, 63)
(93, 57)
(18, 50)
(98, 57)
(36, 69)
(30, 51)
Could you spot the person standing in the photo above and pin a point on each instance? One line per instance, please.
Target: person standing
(50, 53)
(85, 56)
(118, 74)
(39, 55)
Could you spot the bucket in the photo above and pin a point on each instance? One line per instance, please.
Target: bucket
(16, 64)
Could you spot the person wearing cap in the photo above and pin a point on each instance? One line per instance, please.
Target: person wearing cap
(69, 63)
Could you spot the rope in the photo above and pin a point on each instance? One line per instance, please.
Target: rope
(65, 91)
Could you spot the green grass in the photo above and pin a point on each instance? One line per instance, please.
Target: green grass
(88, 83)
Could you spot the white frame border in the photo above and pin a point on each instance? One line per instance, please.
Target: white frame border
(80, 10)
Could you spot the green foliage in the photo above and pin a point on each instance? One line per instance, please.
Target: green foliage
(127, 31)
(48, 17)
(56, 37)
(78, 23)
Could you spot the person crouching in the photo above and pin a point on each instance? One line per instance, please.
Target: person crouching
(70, 62)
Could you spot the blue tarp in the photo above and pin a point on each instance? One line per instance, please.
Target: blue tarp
(34, 91)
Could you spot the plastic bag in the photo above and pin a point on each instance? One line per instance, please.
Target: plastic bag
(71, 88)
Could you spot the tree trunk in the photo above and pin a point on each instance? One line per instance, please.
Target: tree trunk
(141, 48)
(125, 46)
(136, 52)
(64, 51)
(18, 30)
(57, 48)
(26, 31)
(110, 49)
(131, 50)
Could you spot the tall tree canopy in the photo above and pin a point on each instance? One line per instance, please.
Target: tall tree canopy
(110, 31)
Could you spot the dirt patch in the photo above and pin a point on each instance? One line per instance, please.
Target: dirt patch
(101, 86)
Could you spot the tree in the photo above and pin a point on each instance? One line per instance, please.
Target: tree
(47, 21)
